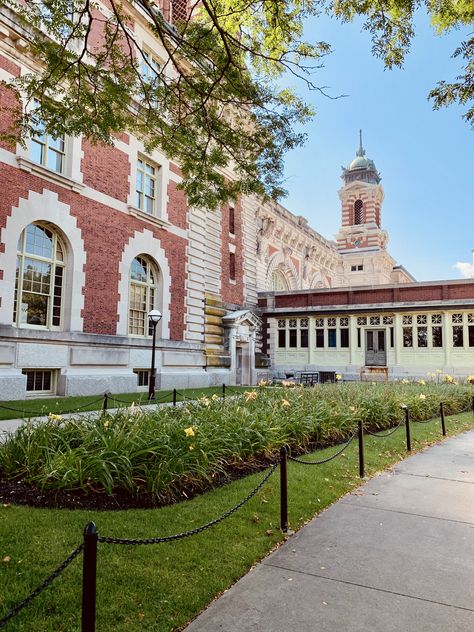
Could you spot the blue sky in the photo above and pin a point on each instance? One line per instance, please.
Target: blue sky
(425, 157)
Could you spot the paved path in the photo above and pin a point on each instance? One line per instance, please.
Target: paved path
(396, 555)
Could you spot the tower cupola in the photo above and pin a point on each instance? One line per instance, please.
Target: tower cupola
(361, 168)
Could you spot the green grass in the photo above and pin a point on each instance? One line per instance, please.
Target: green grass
(160, 587)
(32, 407)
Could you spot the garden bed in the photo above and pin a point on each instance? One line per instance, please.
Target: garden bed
(137, 458)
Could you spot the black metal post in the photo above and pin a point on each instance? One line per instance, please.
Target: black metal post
(407, 426)
(151, 385)
(283, 490)
(174, 397)
(223, 391)
(105, 402)
(89, 576)
(361, 449)
(472, 404)
(441, 412)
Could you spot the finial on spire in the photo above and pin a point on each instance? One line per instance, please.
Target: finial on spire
(361, 150)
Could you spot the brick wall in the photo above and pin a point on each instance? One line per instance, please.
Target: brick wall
(105, 232)
(106, 169)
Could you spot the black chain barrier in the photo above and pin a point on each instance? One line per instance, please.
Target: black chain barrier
(37, 591)
(190, 532)
(43, 413)
(330, 458)
(387, 434)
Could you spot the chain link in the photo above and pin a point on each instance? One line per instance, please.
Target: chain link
(43, 413)
(330, 458)
(190, 532)
(387, 434)
(37, 591)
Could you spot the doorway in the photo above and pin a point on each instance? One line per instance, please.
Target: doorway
(375, 347)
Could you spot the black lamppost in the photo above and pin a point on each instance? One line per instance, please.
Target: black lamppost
(154, 318)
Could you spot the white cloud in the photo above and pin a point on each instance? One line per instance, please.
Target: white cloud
(466, 269)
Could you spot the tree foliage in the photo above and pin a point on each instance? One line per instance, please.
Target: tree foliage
(216, 104)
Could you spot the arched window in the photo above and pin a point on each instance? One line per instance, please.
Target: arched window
(40, 268)
(358, 212)
(143, 295)
(279, 282)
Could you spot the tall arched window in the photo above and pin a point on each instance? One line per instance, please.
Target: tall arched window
(39, 281)
(143, 295)
(358, 212)
(279, 282)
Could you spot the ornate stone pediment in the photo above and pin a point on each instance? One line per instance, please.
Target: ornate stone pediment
(243, 317)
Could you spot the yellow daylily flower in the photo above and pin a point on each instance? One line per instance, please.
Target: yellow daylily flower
(285, 403)
(189, 432)
(250, 395)
(54, 417)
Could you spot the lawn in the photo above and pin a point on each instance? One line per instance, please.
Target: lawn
(161, 587)
(17, 409)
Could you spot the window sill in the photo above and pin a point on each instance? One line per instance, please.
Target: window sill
(29, 166)
(153, 219)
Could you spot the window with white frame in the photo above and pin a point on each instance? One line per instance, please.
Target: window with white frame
(40, 271)
(150, 69)
(143, 376)
(40, 381)
(46, 150)
(147, 175)
(293, 333)
(143, 295)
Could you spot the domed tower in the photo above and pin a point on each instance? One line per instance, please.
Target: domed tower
(361, 240)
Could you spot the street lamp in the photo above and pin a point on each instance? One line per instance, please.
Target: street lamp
(154, 318)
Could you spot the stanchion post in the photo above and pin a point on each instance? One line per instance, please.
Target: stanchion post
(361, 449)
(174, 397)
(105, 402)
(472, 404)
(89, 577)
(283, 489)
(223, 391)
(441, 412)
(407, 427)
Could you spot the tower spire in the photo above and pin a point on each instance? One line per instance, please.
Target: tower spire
(361, 150)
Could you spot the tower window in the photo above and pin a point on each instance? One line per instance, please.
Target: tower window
(231, 266)
(358, 212)
(231, 220)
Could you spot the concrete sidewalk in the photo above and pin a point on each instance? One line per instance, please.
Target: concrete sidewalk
(395, 555)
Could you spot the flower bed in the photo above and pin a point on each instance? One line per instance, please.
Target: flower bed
(174, 449)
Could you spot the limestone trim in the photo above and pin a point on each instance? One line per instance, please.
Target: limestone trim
(284, 264)
(45, 207)
(144, 243)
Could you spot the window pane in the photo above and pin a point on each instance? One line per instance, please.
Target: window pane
(437, 336)
(304, 338)
(458, 337)
(407, 337)
(293, 337)
(344, 337)
(392, 343)
(36, 152)
(370, 340)
(332, 338)
(282, 338)
(422, 336)
(471, 335)
(36, 308)
(320, 338)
